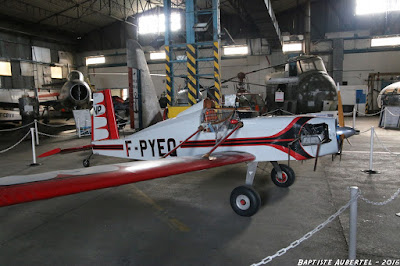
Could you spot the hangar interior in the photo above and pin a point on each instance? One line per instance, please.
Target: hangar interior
(212, 48)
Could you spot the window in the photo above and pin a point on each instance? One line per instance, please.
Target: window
(157, 55)
(56, 72)
(95, 60)
(364, 7)
(236, 50)
(156, 23)
(5, 68)
(389, 41)
(292, 47)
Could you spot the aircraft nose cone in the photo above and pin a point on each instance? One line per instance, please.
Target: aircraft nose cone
(347, 131)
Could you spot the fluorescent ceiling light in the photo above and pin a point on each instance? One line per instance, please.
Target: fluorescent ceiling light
(95, 60)
(156, 23)
(236, 50)
(292, 47)
(56, 72)
(390, 41)
(364, 7)
(157, 55)
(5, 68)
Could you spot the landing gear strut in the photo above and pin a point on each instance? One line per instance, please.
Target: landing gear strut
(245, 200)
(282, 175)
(86, 162)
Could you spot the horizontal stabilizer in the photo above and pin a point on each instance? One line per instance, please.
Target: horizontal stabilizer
(68, 150)
(18, 189)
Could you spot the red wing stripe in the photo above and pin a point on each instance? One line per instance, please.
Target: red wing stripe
(53, 184)
(108, 147)
(286, 129)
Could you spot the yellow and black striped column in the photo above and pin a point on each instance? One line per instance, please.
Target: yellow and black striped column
(217, 77)
(191, 53)
(168, 67)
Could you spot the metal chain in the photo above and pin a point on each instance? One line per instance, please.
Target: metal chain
(55, 136)
(9, 148)
(308, 235)
(395, 195)
(17, 128)
(384, 147)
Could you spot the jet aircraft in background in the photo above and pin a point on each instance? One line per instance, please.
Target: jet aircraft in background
(75, 93)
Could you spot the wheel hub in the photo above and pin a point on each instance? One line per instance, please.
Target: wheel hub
(284, 178)
(243, 202)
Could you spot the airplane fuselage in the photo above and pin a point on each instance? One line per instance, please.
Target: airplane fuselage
(268, 138)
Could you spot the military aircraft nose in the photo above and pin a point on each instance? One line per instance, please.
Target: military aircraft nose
(347, 131)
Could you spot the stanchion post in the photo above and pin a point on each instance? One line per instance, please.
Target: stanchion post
(353, 223)
(354, 115)
(33, 147)
(36, 132)
(371, 153)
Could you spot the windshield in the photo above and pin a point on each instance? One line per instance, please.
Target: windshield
(310, 64)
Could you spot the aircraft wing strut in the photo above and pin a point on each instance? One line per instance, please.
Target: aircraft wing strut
(19, 189)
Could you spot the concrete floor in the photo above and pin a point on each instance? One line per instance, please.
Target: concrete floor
(187, 219)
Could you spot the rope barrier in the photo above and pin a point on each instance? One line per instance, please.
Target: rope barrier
(387, 110)
(55, 136)
(278, 110)
(383, 146)
(13, 146)
(362, 132)
(369, 114)
(17, 128)
(52, 125)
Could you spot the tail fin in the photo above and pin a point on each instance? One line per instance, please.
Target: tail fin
(104, 125)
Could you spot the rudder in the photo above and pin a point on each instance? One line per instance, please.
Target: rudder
(104, 125)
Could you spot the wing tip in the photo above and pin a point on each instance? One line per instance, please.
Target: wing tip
(49, 153)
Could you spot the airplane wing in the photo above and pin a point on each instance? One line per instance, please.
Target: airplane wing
(19, 189)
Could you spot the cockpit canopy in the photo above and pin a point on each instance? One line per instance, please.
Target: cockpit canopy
(303, 64)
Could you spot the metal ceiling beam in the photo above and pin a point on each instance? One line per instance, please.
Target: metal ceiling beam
(240, 9)
(109, 16)
(63, 11)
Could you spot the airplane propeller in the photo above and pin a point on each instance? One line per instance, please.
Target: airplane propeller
(342, 131)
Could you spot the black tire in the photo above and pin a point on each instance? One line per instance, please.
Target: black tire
(245, 201)
(288, 176)
(86, 163)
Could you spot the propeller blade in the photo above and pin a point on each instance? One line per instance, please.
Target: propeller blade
(341, 150)
(316, 157)
(340, 107)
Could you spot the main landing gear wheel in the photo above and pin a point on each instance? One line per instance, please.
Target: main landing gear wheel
(86, 163)
(245, 201)
(288, 176)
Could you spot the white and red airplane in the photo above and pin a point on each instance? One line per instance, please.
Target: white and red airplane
(199, 138)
